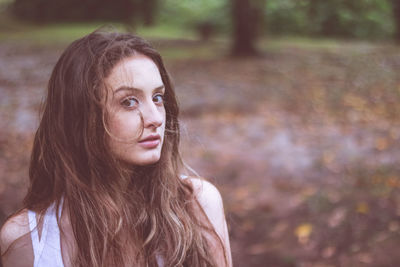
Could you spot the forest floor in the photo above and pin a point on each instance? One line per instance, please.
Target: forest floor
(303, 143)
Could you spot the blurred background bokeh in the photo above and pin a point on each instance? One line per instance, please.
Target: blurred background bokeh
(291, 107)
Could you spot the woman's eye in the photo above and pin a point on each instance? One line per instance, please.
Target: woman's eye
(159, 99)
(129, 102)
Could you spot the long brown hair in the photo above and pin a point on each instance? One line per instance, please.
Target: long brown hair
(119, 216)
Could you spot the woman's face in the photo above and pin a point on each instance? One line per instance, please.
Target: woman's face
(136, 92)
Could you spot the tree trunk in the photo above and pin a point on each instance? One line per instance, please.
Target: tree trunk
(246, 16)
(149, 8)
(396, 16)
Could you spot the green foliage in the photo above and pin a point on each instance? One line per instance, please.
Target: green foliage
(336, 18)
(74, 10)
(372, 19)
(191, 14)
(286, 16)
(51, 34)
(64, 33)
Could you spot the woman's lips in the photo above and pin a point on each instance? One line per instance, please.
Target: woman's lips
(150, 142)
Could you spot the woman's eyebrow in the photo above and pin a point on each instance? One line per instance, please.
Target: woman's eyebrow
(136, 90)
(159, 89)
(128, 88)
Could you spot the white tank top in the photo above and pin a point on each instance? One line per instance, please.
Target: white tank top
(47, 249)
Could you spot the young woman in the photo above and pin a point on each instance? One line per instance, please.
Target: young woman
(106, 179)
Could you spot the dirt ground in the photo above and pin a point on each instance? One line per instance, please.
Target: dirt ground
(303, 143)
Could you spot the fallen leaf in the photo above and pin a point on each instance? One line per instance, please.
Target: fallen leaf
(392, 181)
(362, 207)
(381, 143)
(303, 232)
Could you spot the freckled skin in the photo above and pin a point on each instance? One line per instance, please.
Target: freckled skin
(125, 107)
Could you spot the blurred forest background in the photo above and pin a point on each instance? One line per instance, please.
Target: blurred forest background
(291, 107)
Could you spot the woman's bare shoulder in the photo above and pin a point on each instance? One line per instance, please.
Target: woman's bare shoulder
(210, 200)
(206, 192)
(14, 228)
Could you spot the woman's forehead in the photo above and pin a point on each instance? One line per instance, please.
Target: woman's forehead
(137, 71)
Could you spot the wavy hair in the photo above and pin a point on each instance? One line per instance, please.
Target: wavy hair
(119, 216)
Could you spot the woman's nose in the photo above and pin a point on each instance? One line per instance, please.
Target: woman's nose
(153, 116)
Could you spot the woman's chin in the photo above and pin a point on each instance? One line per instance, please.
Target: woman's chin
(148, 162)
(144, 160)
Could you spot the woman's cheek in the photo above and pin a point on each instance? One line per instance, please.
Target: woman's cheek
(128, 125)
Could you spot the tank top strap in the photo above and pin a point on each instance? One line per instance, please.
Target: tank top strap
(47, 248)
(160, 260)
(36, 244)
(53, 242)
